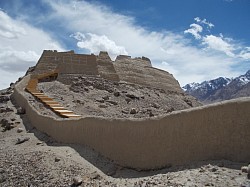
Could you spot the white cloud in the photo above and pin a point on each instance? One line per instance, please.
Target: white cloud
(96, 27)
(8, 29)
(17, 61)
(194, 30)
(95, 43)
(20, 47)
(219, 44)
(167, 50)
(245, 53)
(204, 22)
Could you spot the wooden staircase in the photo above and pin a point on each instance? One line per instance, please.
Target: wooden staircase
(53, 105)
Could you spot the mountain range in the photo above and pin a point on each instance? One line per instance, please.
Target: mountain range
(220, 89)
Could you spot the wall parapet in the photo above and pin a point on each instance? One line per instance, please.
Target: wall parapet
(217, 131)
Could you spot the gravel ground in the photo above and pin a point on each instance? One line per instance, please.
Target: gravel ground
(31, 158)
(100, 97)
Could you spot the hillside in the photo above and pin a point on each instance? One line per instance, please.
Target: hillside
(102, 92)
(92, 85)
(220, 89)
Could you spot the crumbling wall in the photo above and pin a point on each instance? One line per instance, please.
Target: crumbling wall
(161, 79)
(106, 68)
(78, 64)
(131, 70)
(218, 131)
(140, 71)
(47, 62)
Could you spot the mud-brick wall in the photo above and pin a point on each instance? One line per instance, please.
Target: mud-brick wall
(105, 67)
(125, 68)
(218, 131)
(139, 71)
(161, 79)
(72, 65)
(47, 62)
(78, 64)
(130, 70)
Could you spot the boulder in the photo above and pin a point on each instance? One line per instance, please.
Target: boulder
(4, 98)
(112, 102)
(117, 94)
(132, 96)
(133, 111)
(77, 181)
(22, 140)
(20, 110)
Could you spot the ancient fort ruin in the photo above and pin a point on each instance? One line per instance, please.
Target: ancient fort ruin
(218, 131)
(124, 68)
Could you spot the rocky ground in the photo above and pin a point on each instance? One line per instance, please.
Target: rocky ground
(31, 158)
(100, 97)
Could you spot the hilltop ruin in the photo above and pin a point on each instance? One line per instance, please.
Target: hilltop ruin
(124, 68)
(218, 131)
(91, 84)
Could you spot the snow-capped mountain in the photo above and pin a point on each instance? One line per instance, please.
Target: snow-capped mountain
(220, 89)
(243, 79)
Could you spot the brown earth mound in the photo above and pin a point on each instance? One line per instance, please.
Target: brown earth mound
(99, 97)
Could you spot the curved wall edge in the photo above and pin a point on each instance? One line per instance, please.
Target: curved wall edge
(217, 131)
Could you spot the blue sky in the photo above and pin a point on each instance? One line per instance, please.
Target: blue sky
(195, 40)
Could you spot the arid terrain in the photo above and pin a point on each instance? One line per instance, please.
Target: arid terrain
(100, 97)
(29, 157)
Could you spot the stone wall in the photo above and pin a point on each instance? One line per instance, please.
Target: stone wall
(218, 131)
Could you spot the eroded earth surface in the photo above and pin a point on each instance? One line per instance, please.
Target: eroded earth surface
(100, 97)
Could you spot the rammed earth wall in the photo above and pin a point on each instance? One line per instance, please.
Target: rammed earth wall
(218, 131)
(124, 68)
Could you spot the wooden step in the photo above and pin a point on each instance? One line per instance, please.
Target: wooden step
(40, 95)
(54, 105)
(37, 93)
(58, 108)
(52, 102)
(64, 111)
(45, 99)
(32, 90)
(72, 115)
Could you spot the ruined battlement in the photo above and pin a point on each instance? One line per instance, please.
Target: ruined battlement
(137, 70)
(138, 61)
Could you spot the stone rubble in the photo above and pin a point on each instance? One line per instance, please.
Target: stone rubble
(22, 140)
(20, 110)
